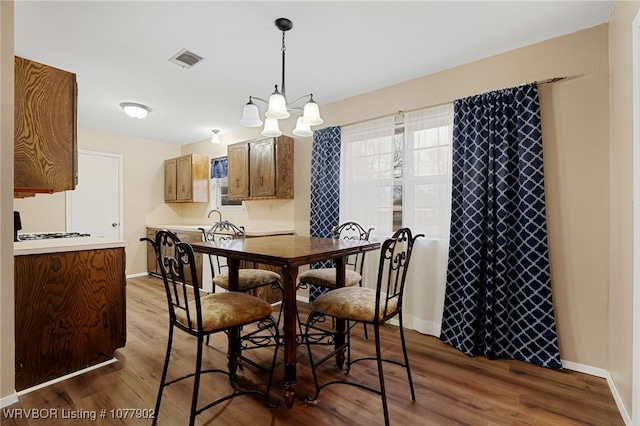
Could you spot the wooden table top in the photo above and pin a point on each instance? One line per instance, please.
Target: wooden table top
(291, 250)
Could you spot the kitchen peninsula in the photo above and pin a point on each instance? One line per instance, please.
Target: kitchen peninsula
(69, 306)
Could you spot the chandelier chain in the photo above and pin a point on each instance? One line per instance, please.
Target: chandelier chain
(283, 48)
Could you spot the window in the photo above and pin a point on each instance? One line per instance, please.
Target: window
(220, 194)
(219, 185)
(395, 172)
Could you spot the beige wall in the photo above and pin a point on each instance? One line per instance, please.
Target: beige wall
(576, 143)
(620, 327)
(7, 353)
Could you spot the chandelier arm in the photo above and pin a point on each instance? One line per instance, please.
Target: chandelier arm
(298, 100)
(259, 99)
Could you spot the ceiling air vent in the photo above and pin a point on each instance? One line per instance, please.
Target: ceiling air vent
(186, 59)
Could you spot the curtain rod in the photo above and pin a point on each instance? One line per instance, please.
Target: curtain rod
(551, 80)
(401, 112)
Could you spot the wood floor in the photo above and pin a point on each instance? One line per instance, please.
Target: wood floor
(451, 388)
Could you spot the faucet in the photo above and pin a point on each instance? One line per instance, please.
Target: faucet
(217, 211)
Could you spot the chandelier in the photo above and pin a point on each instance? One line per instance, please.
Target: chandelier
(278, 107)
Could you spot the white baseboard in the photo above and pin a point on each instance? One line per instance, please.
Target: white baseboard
(626, 416)
(586, 369)
(12, 399)
(602, 373)
(139, 274)
(8, 400)
(68, 376)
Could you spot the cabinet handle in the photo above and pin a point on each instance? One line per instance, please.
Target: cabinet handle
(182, 188)
(261, 181)
(237, 183)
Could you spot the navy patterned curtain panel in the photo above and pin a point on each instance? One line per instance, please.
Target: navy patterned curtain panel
(325, 190)
(498, 295)
(219, 167)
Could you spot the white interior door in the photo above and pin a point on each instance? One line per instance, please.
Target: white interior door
(95, 206)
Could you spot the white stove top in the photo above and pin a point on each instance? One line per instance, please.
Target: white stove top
(50, 235)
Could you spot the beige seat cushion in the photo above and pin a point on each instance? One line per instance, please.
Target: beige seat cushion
(352, 303)
(224, 310)
(248, 279)
(326, 277)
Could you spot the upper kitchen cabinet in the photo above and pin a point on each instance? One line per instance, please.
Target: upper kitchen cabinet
(45, 137)
(186, 179)
(261, 169)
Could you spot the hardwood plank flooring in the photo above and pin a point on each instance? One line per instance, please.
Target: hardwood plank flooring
(451, 388)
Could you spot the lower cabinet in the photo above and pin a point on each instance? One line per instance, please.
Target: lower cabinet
(152, 261)
(69, 312)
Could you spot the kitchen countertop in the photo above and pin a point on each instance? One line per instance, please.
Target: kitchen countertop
(57, 245)
(249, 232)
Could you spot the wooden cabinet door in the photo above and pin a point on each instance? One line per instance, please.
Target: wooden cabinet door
(152, 261)
(170, 175)
(262, 164)
(261, 169)
(184, 178)
(70, 312)
(192, 237)
(284, 168)
(45, 133)
(238, 171)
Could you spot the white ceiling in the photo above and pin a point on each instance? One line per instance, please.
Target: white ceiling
(120, 51)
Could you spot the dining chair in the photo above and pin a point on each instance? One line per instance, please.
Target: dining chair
(369, 306)
(201, 316)
(326, 277)
(249, 280)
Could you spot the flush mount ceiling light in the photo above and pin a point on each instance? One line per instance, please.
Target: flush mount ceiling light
(214, 137)
(278, 107)
(135, 110)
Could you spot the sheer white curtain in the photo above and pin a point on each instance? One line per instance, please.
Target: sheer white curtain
(369, 160)
(366, 174)
(427, 210)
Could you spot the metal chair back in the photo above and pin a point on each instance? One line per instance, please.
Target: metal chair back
(352, 231)
(177, 265)
(395, 255)
(221, 231)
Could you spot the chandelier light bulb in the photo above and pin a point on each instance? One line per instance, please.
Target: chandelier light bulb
(311, 114)
(302, 129)
(277, 106)
(250, 115)
(271, 128)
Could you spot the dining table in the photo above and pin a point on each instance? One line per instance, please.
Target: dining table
(288, 252)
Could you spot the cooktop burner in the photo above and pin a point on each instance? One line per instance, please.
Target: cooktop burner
(47, 236)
